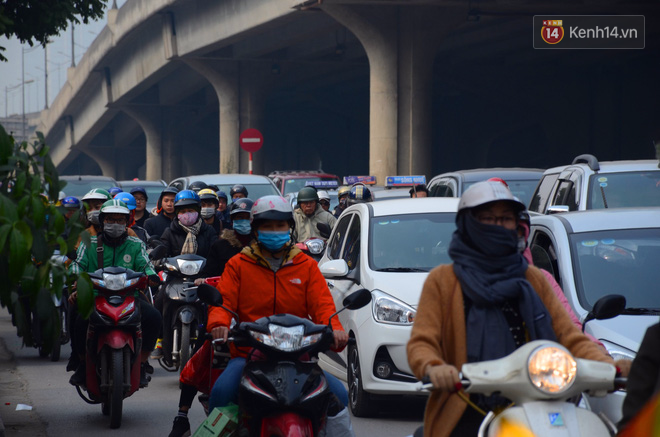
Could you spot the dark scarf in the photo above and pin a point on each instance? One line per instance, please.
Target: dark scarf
(491, 272)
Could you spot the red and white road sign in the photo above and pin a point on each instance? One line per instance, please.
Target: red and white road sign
(251, 140)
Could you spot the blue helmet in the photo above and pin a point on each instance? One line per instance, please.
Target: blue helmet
(222, 195)
(114, 191)
(187, 198)
(128, 199)
(359, 193)
(71, 202)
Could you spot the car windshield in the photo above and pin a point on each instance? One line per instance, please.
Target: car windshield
(255, 191)
(621, 190)
(295, 185)
(78, 188)
(153, 192)
(618, 262)
(523, 189)
(410, 242)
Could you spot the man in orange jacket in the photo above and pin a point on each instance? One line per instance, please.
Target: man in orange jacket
(270, 276)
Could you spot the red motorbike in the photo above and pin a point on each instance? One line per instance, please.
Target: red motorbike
(114, 340)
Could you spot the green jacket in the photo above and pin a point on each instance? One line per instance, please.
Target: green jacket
(131, 254)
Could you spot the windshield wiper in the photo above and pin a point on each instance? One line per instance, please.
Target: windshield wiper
(401, 269)
(642, 311)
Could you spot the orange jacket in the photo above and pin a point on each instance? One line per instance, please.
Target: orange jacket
(251, 289)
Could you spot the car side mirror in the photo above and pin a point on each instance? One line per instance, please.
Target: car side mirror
(556, 209)
(335, 268)
(607, 307)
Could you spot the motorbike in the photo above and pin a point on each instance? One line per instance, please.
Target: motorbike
(114, 340)
(184, 315)
(283, 390)
(314, 247)
(545, 382)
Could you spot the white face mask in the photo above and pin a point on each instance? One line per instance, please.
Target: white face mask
(207, 213)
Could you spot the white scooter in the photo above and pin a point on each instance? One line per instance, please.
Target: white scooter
(539, 378)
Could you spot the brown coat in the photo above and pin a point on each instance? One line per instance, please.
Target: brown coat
(438, 337)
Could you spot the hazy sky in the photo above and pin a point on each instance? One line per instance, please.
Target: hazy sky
(59, 59)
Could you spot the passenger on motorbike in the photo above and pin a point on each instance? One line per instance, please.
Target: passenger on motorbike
(141, 212)
(131, 202)
(482, 307)
(210, 203)
(230, 243)
(118, 250)
(342, 197)
(308, 214)
(324, 200)
(359, 193)
(270, 276)
(165, 210)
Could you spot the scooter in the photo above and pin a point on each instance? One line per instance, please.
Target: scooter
(314, 247)
(184, 316)
(540, 378)
(114, 340)
(283, 391)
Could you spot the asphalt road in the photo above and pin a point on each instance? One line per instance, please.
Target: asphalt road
(59, 411)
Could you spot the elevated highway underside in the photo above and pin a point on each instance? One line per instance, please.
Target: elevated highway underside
(380, 87)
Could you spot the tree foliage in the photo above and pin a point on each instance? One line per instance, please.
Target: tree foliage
(36, 20)
(31, 229)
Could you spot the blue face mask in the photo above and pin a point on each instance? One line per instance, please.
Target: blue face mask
(273, 240)
(242, 226)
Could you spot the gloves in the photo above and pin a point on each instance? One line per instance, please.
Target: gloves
(154, 280)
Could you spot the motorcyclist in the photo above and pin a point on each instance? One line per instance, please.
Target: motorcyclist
(141, 212)
(131, 203)
(359, 193)
(238, 191)
(342, 197)
(119, 250)
(71, 206)
(93, 200)
(308, 214)
(482, 307)
(223, 211)
(197, 186)
(270, 276)
(230, 243)
(324, 200)
(210, 203)
(419, 190)
(165, 210)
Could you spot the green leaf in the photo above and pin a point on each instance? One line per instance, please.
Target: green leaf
(40, 250)
(24, 229)
(18, 255)
(38, 211)
(6, 146)
(8, 209)
(59, 221)
(85, 295)
(4, 233)
(19, 186)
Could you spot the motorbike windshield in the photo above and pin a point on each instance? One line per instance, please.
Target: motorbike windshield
(410, 242)
(618, 262)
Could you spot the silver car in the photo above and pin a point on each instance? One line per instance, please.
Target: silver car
(600, 252)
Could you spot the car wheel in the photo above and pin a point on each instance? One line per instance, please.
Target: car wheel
(358, 400)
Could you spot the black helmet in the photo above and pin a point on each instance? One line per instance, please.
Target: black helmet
(213, 187)
(241, 205)
(238, 189)
(307, 194)
(359, 193)
(167, 190)
(197, 185)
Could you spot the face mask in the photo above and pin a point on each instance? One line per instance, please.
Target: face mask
(93, 216)
(114, 230)
(207, 213)
(273, 240)
(243, 227)
(188, 218)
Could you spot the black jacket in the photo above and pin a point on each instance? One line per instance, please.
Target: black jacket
(156, 225)
(174, 237)
(147, 215)
(222, 250)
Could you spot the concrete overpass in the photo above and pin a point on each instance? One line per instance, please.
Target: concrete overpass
(379, 86)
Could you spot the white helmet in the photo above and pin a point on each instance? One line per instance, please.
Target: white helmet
(271, 208)
(323, 195)
(486, 192)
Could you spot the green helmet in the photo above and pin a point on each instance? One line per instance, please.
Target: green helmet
(308, 194)
(97, 194)
(113, 207)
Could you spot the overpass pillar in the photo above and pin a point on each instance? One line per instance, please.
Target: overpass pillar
(105, 158)
(151, 122)
(254, 89)
(223, 76)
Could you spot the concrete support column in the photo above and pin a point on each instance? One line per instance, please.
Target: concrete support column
(253, 93)
(151, 121)
(105, 158)
(377, 30)
(224, 78)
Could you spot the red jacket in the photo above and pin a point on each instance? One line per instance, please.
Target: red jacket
(251, 289)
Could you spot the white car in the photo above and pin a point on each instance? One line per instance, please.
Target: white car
(601, 252)
(387, 247)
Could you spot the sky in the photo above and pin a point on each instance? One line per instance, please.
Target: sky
(59, 59)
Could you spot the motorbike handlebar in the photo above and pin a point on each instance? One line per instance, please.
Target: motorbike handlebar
(425, 383)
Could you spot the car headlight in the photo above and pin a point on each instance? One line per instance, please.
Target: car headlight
(188, 267)
(113, 281)
(387, 309)
(551, 369)
(315, 246)
(287, 339)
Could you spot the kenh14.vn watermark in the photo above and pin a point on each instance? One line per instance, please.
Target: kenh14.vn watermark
(589, 31)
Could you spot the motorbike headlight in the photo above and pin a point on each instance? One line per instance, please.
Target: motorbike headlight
(286, 338)
(114, 281)
(315, 246)
(551, 369)
(189, 268)
(387, 309)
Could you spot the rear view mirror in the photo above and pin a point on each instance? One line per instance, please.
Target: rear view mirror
(607, 307)
(357, 299)
(209, 295)
(158, 253)
(324, 229)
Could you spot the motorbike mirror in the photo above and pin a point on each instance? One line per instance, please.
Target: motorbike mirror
(324, 229)
(357, 299)
(153, 242)
(158, 253)
(607, 307)
(209, 295)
